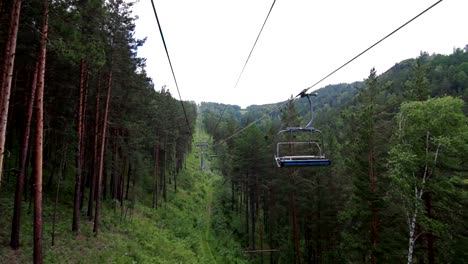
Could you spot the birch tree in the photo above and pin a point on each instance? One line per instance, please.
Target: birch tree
(426, 132)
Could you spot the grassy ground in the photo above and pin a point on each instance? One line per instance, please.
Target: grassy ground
(177, 232)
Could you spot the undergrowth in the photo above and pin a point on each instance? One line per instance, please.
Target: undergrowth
(186, 229)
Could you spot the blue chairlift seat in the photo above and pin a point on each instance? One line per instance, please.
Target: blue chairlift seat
(300, 153)
(301, 146)
(302, 161)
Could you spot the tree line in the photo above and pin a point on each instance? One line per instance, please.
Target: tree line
(396, 191)
(80, 121)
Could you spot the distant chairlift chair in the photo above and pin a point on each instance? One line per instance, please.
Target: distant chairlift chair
(301, 146)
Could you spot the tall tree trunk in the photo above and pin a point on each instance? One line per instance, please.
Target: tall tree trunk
(252, 216)
(418, 194)
(233, 201)
(128, 179)
(113, 179)
(60, 174)
(122, 179)
(164, 172)
(374, 220)
(84, 174)
(429, 236)
(37, 250)
(101, 158)
(412, 235)
(155, 176)
(246, 204)
(272, 222)
(8, 66)
(308, 254)
(319, 231)
(16, 223)
(292, 202)
(175, 176)
(93, 187)
(77, 196)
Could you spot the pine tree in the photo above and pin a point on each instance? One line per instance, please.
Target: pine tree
(362, 166)
(38, 255)
(7, 75)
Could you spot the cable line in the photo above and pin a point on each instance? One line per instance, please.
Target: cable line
(253, 122)
(170, 64)
(366, 50)
(328, 75)
(255, 43)
(245, 64)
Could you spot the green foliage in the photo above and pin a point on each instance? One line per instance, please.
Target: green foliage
(362, 124)
(430, 141)
(185, 230)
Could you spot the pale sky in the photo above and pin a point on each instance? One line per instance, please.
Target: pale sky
(303, 41)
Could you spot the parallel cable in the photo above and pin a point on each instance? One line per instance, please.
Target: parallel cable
(170, 64)
(245, 64)
(253, 122)
(366, 50)
(328, 75)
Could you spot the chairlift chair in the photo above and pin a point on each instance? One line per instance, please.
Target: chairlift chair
(301, 146)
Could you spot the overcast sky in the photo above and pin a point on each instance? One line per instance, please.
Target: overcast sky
(303, 41)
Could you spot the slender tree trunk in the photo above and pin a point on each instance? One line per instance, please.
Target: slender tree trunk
(308, 238)
(84, 174)
(155, 176)
(374, 220)
(252, 216)
(233, 201)
(418, 194)
(164, 172)
(292, 201)
(122, 180)
(412, 235)
(128, 179)
(8, 66)
(54, 219)
(77, 196)
(37, 250)
(94, 183)
(262, 227)
(272, 223)
(113, 180)
(175, 179)
(319, 231)
(246, 204)
(101, 159)
(16, 223)
(430, 235)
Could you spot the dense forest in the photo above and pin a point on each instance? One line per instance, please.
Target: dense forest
(86, 138)
(99, 166)
(396, 191)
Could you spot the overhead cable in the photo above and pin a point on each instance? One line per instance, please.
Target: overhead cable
(366, 50)
(254, 122)
(333, 72)
(170, 64)
(245, 64)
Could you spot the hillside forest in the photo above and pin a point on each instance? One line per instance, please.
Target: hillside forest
(97, 165)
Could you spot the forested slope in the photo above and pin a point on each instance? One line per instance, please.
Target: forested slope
(94, 153)
(397, 187)
(180, 230)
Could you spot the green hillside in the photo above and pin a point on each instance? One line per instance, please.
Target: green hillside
(182, 230)
(396, 188)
